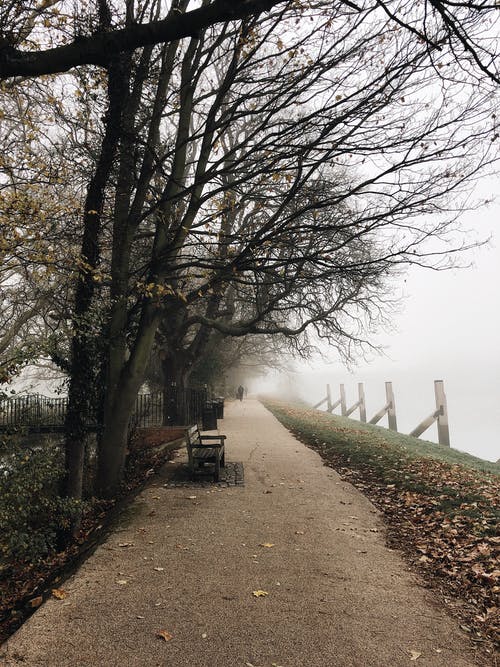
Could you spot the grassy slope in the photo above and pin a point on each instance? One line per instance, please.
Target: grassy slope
(441, 506)
(349, 431)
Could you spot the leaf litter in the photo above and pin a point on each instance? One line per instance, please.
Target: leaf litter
(443, 515)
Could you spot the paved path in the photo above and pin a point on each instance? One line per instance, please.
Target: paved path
(337, 596)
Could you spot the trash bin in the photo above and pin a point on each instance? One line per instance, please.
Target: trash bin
(209, 416)
(219, 405)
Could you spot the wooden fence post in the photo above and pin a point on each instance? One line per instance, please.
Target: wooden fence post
(442, 418)
(389, 409)
(328, 398)
(391, 406)
(440, 415)
(343, 405)
(362, 404)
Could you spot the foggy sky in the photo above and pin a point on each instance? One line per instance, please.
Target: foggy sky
(448, 329)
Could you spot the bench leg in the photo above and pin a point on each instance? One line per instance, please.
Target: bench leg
(217, 469)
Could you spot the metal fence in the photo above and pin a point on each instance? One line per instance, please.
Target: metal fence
(173, 407)
(184, 406)
(33, 410)
(148, 410)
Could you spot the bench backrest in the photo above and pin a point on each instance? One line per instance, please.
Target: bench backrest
(192, 438)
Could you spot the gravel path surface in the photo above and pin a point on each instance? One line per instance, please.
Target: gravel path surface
(188, 560)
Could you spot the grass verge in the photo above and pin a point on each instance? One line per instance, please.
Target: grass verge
(441, 506)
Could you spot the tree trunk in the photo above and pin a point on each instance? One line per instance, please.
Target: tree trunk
(120, 402)
(84, 351)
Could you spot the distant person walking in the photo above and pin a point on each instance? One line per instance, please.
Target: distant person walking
(240, 392)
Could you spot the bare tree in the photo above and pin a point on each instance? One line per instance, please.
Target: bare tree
(292, 170)
(263, 176)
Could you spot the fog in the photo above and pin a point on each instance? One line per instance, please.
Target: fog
(447, 329)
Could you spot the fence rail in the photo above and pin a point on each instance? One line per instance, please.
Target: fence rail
(439, 415)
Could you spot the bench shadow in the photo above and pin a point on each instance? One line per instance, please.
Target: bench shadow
(178, 474)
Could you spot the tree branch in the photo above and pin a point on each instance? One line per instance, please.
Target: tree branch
(99, 48)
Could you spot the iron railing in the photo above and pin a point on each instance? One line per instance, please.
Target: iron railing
(175, 406)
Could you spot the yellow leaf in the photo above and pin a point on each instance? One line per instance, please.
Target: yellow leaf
(260, 594)
(164, 634)
(268, 545)
(59, 593)
(415, 655)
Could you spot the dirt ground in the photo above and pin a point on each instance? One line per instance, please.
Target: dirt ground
(291, 569)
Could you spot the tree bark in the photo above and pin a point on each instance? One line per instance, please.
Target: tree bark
(82, 398)
(113, 441)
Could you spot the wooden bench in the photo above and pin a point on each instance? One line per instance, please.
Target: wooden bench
(205, 449)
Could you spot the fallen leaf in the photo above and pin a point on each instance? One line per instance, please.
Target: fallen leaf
(36, 602)
(126, 544)
(414, 655)
(268, 545)
(159, 569)
(122, 582)
(260, 594)
(164, 634)
(191, 497)
(204, 635)
(59, 593)
(299, 532)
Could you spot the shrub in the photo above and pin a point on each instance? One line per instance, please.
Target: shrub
(33, 516)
